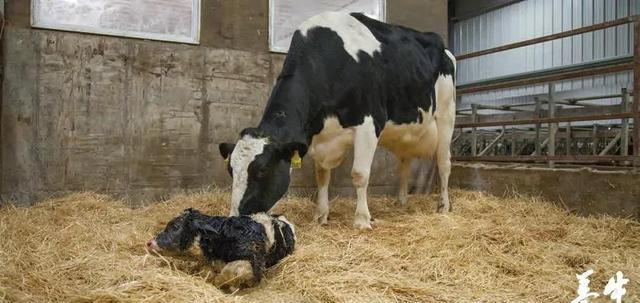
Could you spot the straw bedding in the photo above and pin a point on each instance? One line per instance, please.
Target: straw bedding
(89, 248)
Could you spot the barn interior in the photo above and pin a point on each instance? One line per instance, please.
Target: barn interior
(107, 132)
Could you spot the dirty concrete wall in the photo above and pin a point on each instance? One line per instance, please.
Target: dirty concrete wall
(244, 24)
(582, 191)
(142, 119)
(423, 15)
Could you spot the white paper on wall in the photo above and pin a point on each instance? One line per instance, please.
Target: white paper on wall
(286, 15)
(168, 20)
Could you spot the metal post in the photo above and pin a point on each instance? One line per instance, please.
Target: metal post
(484, 142)
(594, 139)
(636, 89)
(624, 140)
(553, 127)
(513, 141)
(474, 130)
(486, 148)
(504, 133)
(537, 115)
(568, 141)
(610, 146)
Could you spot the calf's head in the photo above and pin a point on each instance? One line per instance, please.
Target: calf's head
(178, 236)
(260, 169)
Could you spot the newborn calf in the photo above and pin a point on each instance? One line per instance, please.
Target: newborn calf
(244, 245)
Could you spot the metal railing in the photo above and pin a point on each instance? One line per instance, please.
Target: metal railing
(555, 113)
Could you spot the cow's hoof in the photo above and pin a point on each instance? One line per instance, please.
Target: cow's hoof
(401, 203)
(320, 217)
(401, 199)
(443, 208)
(362, 224)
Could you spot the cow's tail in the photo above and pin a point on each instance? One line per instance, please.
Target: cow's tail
(453, 60)
(453, 76)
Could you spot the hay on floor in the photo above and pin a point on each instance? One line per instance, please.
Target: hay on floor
(89, 248)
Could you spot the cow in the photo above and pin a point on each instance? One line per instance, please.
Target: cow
(348, 82)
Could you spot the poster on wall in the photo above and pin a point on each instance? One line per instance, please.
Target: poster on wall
(286, 15)
(166, 20)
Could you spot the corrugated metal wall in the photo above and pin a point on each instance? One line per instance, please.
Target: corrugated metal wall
(534, 18)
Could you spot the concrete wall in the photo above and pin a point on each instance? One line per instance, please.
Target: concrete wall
(244, 24)
(142, 119)
(581, 191)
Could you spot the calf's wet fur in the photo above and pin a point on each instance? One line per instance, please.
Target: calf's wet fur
(240, 248)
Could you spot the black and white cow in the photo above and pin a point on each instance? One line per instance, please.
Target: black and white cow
(348, 82)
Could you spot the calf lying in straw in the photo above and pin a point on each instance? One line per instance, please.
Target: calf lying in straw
(240, 248)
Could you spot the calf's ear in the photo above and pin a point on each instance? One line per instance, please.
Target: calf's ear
(190, 210)
(226, 149)
(203, 226)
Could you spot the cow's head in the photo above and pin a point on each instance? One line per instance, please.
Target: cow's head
(260, 168)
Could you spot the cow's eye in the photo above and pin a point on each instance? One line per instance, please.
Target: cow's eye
(261, 173)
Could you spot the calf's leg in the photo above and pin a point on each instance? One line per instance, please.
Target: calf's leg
(235, 274)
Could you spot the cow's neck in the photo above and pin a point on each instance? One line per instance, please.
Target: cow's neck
(286, 115)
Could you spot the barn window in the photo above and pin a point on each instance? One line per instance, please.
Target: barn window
(286, 15)
(167, 20)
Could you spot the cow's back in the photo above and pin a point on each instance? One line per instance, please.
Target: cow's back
(355, 67)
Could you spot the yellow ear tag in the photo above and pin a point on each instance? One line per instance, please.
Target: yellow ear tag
(296, 162)
(226, 161)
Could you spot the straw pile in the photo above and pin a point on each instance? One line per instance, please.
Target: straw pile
(89, 248)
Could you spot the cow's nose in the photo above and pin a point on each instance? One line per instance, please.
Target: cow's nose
(149, 243)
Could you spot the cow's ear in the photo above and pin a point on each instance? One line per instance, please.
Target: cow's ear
(251, 131)
(288, 150)
(226, 149)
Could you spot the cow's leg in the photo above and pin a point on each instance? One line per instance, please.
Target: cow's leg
(444, 169)
(323, 177)
(445, 119)
(364, 145)
(404, 170)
